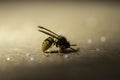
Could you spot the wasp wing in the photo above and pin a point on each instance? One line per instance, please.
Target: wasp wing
(48, 34)
(48, 30)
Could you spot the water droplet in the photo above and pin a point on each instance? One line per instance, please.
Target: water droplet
(103, 39)
(89, 41)
(66, 56)
(97, 49)
(7, 58)
(31, 58)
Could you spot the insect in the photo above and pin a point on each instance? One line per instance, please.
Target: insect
(54, 39)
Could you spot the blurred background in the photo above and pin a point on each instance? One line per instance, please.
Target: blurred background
(76, 20)
(93, 25)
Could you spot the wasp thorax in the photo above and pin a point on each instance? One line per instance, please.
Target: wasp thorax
(62, 43)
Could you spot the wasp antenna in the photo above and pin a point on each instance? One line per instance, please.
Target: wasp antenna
(48, 34)
(47, 30)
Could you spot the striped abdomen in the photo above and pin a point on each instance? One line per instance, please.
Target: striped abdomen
(47, 43)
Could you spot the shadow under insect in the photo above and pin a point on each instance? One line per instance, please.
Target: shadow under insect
(67, 51)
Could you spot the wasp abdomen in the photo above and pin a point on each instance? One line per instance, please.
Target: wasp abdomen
(47, 43)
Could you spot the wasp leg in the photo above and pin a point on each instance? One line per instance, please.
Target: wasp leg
(76, 51)
(47, 52)
(60, 52)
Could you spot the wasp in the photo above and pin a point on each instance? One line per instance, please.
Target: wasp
(54, 39)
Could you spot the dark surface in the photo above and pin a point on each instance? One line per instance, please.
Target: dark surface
(102, 65)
